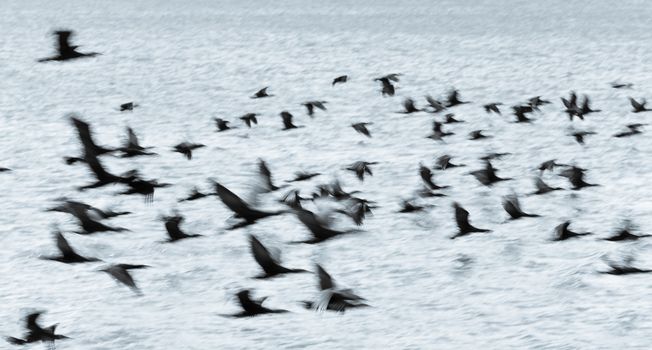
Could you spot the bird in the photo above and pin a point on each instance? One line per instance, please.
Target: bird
(542, 187)
(477, 135)
(453, 99)
(362, 128)
(585, 108)
(249, 118)
(143, 187)
(638, 107)
(222, 125)
(194, 195)
(242, 210)
(252, 307)
(68, 255)
(426, 177)
(331, 297)
(438, 133)
(462, 220)
(320, 230)
(81, 212)
(132, 147)
(437, 106)
(549, 165)
(575, 176)
(408, 105)
(387, 88)
(409, 207)
(562, 232)
(90, 148)
(36, 333)
(303, 176)
(120, 272)
(262, 93)
(65, 51)
(492, 107)
(624, 234)
(572, 109)
(311, 105)
(3, 170)
(537, 101)
(340, 80)
(266, 184)
(633, 130)
(270, 264)
(175, 233)
(617, 85)
(186, 148)
(513, 208)
(487, 176)
(287, 121)
(450, 119)
(624, 268)
(520, 113)
(128, 107)
(360, 168)
(579, 135)
(444, 162)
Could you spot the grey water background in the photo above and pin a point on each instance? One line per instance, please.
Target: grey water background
(186, 63)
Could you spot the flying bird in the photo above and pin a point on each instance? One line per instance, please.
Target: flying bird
(633, 130)
(513, 208)
(362, 128)
(262, 93)
(453, 99)
(360, 168)
(487, 176)
(562, 232)
(128, 107)
(68, 255)
(252, 307)
(222, 125)
(462, 220)
(542, 187)
(270, 264)
(120, 272)
(36, 333)
(575, 176)
(331, 297)
(186, 148)
(65, 51)
(639, 107)
(175, 233)
(287, 121)
(311, 105)
(249, 118)
(492, 107)
(340, 80)
(242, 210)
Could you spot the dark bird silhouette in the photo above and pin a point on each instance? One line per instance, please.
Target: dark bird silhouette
(426, 176)
(624, 268)
(2, 170)
(81, 212)
(487, 176)
(409, 207)
(249, 118)
(262, 93)
(132, 147)
(579, 135)
(303, 176)
(71, 207)
(549, 165)
(357, 209)
(494, 155)
(362, 128)
(444, 162)
(462, 220)
(409, 107)
(387, 87)
(624, 234)
(252, 307)
(492, 107)
(395, 77)
(450, 119)
(90, 148)
(520, 113)
(266, 177)
(174, 231)
(562, 232)
(186, 148)
(68, 255)
(331, 297)
(537, 101)
(194, 195)
(438, 133)
(572, 109)
(120, 272)
(128, 107)
(542, 187)
(340, 80)
(639, 107)
(320, 231)
(513, 208)
(242, 210)
(222, 125)
(65, 51)
(633, 130)
(616, 85)
(143, 187)
(575, 176)
(287, 121)
(437, 106)
(360, 168)
(311, 105)
(36, 333)
(585, 108)
(453, 99)
(292, 199)
(270, 264)
(477, 135)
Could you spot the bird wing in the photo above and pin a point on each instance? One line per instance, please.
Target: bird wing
(62, 244)
(325, 279)
(232, 201)
(262, 256)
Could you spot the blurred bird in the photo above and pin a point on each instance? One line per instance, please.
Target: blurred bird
(120, 272)
(331, 297)
(513, 208)
(562, 232)
(186, 148)
(262, 93)
(36, 333)
(340, 80)
(639, 107)
(269, 263)
(462, 220)
(68, 255)
(252, 307)
(311, 105)
(633, 130)
(65, 51)
(287, 121)
(362, 128)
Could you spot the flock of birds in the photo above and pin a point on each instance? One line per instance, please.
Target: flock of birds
(319, 224)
